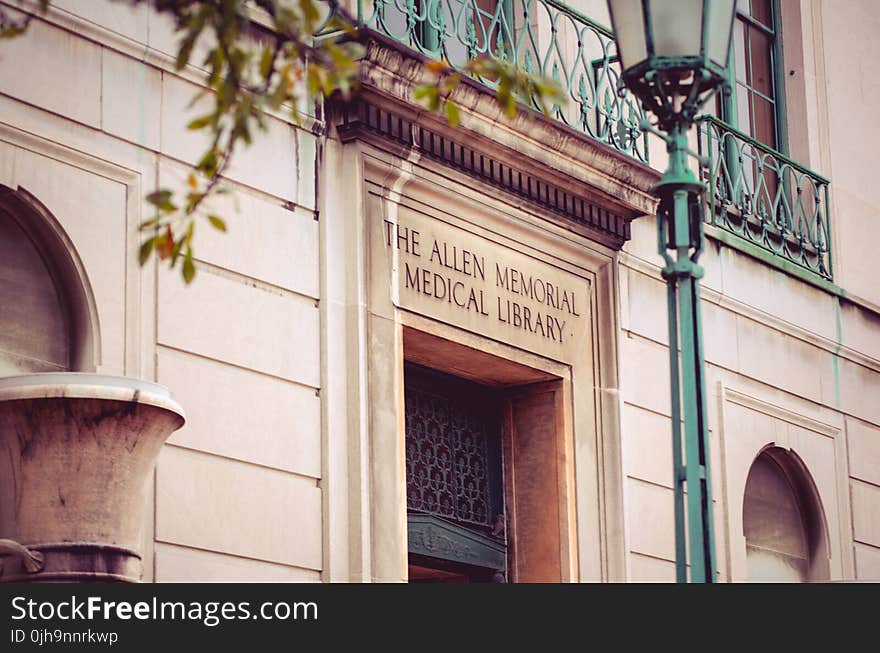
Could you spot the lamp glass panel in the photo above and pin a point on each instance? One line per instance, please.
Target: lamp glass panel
(719, 17)
(676, 27)
(629, 29)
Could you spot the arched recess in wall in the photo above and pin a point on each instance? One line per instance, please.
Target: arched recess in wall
(49, 320)
(783, 521)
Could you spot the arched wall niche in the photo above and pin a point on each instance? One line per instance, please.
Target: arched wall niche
(784, 522)
(50, 318)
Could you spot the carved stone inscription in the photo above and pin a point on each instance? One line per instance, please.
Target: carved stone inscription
(470, 281)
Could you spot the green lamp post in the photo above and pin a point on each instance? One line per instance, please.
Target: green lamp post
(673, 54)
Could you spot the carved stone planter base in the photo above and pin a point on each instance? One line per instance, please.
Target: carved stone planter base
(76, 452)
(80, 562)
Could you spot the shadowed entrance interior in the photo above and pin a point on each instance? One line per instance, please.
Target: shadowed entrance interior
(488, 467)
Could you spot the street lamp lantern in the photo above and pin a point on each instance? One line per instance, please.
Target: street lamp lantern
(673, 52)
(673, 55)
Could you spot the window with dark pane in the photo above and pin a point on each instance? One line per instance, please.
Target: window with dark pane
(753, 106)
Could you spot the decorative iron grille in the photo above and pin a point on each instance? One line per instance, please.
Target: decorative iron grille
(451, 458)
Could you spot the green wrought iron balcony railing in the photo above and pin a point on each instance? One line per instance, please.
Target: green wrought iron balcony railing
(765, 198)
(757, 193)
(543, 36)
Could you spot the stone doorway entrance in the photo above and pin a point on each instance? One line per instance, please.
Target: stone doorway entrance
(488, 472)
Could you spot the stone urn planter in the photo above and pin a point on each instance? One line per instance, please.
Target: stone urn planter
(76, 452)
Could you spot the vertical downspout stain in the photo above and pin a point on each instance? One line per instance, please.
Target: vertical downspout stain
(836, 354)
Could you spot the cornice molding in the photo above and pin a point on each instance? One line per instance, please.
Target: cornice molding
(382, 128)
(545, 162)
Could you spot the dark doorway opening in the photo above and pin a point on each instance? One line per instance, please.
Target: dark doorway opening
(455, 486)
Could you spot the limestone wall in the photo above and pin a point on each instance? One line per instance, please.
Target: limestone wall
(788, 363)
(848, 33)
(93, 117)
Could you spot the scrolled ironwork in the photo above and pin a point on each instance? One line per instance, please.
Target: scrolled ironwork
(542, 36)
(756, 193)
(447, 460)
(766, 198)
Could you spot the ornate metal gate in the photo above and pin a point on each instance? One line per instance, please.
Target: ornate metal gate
(454, 476)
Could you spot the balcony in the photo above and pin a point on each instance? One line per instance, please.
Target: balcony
(543, 36)
(765, 198)
(774, 207)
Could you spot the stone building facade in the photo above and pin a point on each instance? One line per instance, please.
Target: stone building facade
(390, 281)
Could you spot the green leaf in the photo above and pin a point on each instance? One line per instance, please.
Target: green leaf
(175, 251)
(192, 199)
(422, 92)
(310, 13)
(266, 62)
(11, 31)
(187, 238)
(510, 106)
(147, 224)
(194, 26)
(208, 163)
(217, 222)
(452, 114)
(217, 59)
(146, 250)
(225, 95)
(161, 199)
(338, 55)
(313, 79)
(186, 48)
(279, 94)
(189, 267)
(201, 122)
